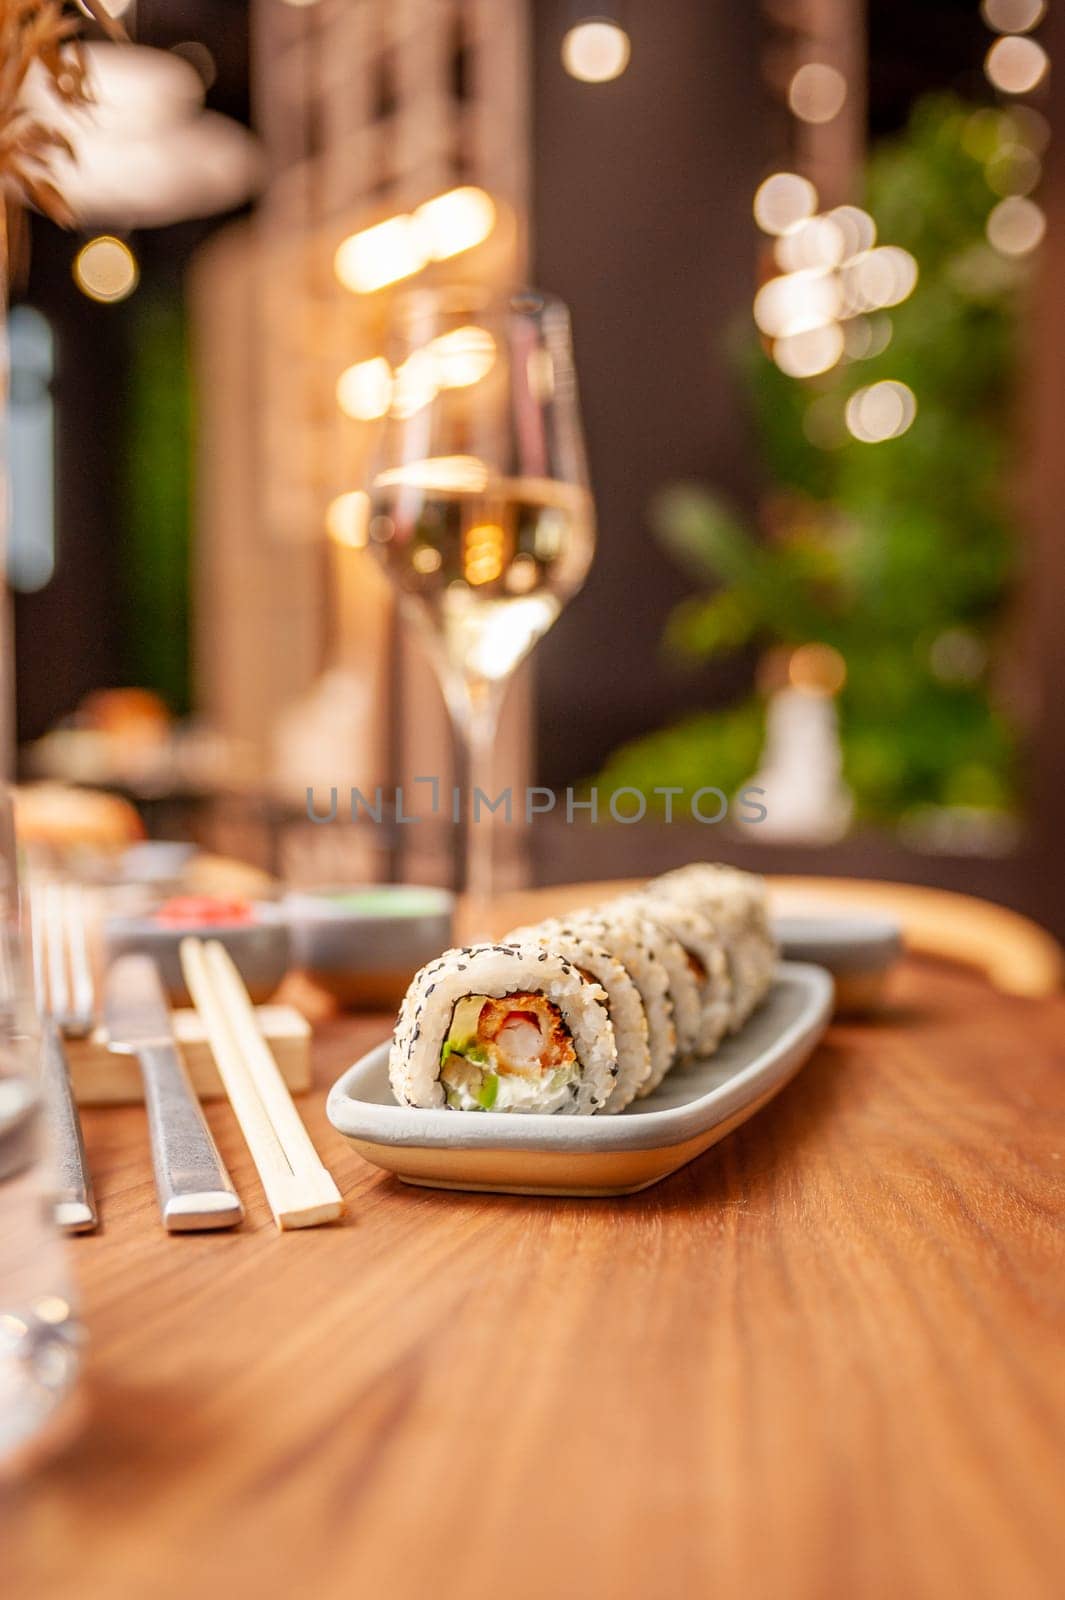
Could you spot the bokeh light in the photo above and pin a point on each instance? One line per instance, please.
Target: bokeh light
(866, 337)
(381, 255)
(881, 411)
(796, 303)
(455, 221)
(346, 518)
(817, 92)
(957, 655)
(364, 391)
(783, 201)
(817, 669)
(1013, 169)
(483, 552)
(1012, 16)
(426, 558)
(857, 227)
(1032, 127)
(463, 356)
(105, 269)
(884, 276)
(596, 50)
(414, 384)
(804, 355)
(1016, 64)
(400, 246)
(817, 242)
(1016, 226)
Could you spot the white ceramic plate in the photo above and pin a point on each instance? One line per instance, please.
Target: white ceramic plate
(690, 1110)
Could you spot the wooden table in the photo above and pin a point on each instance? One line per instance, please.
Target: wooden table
(824, 1360)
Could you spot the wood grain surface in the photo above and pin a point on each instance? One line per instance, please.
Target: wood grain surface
(824, 1360)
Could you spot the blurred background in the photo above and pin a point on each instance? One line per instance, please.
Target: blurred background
(810, 248)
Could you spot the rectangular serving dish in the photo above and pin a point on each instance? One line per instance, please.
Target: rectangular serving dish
(690, 1110)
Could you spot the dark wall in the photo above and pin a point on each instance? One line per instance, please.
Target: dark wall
(90, 626)
(642, 222)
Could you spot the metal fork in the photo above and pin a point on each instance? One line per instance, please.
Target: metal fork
(62, 980)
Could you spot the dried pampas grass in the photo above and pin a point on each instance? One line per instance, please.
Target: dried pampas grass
(43, 31)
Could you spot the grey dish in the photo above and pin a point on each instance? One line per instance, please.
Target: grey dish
(364, 944)
(261, 949)
(846, 943)
(597, 1155)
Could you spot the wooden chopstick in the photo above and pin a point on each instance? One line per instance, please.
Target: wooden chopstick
(300, 1191)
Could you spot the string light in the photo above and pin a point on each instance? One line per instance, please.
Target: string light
(804, 355)
(483, 550)
(866, 337)
(881, 411)
(596, 50)
(106, 269)
(783, 201)
(817, 242)
(1012, 16)
(365, 390)
(877, 278)
(797, 303)
(817, 92)
(455, 221)
(463, 357)
(414, 384)
(378, 256)
(857, 227)
(1016, 226)
(1013, 169)
(1016, 64)
(450, 223)
(346, 518)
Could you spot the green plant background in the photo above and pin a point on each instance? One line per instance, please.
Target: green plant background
(899, 554)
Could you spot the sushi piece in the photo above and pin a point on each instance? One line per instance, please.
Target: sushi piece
(504, 1027)
(737, 904)
(625, 1004)
(630, 919)
(634, 913)
(633, 941)
(704, 950)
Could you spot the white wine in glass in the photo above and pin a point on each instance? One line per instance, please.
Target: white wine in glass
(480, 510)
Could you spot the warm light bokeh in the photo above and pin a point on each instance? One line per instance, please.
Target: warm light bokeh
(105, 269)
(596, 51)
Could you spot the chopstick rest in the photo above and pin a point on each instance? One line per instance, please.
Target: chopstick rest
(300, 1191)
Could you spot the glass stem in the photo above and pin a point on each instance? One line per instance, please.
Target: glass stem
(476, 709)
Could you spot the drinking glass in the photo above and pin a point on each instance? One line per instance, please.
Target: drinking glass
(39, 1331)
(480, 512)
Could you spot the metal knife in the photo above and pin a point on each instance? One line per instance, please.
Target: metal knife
(195, 1190)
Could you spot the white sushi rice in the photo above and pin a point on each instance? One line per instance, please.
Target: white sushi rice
(737, 903)
(496, 971)
(696, 931)
(579, 945)
(634, 942)
(683, 989)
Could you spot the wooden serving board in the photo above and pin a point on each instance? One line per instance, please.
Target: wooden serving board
(101, 1078)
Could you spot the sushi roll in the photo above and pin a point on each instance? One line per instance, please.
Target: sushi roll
(632, 914)
(504, 1027)
(629, 919)
(624, 1001)
(633, 941)
(704, 954)
(737, 904)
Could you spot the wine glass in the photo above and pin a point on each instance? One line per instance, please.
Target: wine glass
(480, 512)
(39, 1328)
